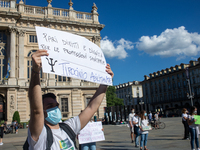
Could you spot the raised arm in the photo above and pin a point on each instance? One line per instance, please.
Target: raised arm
(35, 96)
(95, 101)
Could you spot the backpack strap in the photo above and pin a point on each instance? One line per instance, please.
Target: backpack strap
(49, 137)
(26, 145)
(69, 131)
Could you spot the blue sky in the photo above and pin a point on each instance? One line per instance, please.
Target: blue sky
(143, 36)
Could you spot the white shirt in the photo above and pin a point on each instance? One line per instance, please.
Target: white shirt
(184, 115)
(143, 123)
(61, 140)
(193, 125)
(130, 117)
(135, 119)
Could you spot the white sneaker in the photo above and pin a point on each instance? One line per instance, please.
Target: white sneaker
(1, 143)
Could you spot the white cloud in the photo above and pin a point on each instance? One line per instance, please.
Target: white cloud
(117, 48)
(172, 42)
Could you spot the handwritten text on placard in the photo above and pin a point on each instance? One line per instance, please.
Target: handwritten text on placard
(92, 132)
(72, 56)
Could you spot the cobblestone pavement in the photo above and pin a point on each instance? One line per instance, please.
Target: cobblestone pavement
(117, 137)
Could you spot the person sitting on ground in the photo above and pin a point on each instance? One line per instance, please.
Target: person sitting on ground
(45, 110)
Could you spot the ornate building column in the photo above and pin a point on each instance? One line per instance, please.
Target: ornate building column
(21, 80)
(12, 79)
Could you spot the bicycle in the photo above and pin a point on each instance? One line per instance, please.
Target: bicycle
(161, 125)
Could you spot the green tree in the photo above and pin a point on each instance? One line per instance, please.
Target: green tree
(111, 97)
(16, 117)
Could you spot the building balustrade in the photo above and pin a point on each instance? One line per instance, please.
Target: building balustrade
(49, 12)
(5, 4)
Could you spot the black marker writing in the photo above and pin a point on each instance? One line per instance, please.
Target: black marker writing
(49, 38)
(95, 59)
(46, 47)
(71, 44)
(76, 54)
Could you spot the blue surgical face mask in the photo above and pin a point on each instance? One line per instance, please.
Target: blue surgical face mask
(53, 115)
(145, 114)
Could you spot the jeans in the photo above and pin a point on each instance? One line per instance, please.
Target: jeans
(137, 140)
(88, 146)
(137, 134)
(186, 129)
(143, 139)
(194, 137)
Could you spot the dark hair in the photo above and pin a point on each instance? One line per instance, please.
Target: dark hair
(49, 95)
(192, 110)
(183, 110)
(142, 114)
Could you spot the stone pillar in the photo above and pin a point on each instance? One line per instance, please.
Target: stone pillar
(21, 80)
(51, 80)
(21, 6)
(13, 7)
(76, 100)
(95, 15)
(12, 79)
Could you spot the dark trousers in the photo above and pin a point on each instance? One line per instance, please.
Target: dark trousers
(186, 129)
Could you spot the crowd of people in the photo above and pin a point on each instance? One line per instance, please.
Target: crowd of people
(139, 126)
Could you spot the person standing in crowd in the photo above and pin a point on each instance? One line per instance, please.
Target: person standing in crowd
(194, 128)
(45, 111)
(150, 116)
(136, 129)
(130, 119)
(16, 126)
(185, 123)
(143, 121)
(1, 134)
(156, 116)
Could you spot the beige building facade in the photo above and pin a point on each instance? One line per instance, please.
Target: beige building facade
(18, 42)
(171, 89)
(130, 92)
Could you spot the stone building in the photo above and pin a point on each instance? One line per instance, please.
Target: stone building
(168, 90)
(130, 92)
(18, 42)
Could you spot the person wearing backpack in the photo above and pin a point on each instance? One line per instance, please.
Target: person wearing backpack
(45, 113)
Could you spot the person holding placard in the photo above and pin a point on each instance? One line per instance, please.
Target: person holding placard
(194, 128)
(144, 127)
(46, 114)
(185, 123)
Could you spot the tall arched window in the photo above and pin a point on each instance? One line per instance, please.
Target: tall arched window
(29, 64)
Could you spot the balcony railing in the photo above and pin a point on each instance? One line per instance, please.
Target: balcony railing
(50, 12)
(5, 4)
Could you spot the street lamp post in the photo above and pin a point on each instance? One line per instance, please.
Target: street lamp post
(190, 95)
(141, 103)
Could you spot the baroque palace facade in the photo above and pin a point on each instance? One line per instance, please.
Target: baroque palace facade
(168, 90)
(18, 42)
(131, 93)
